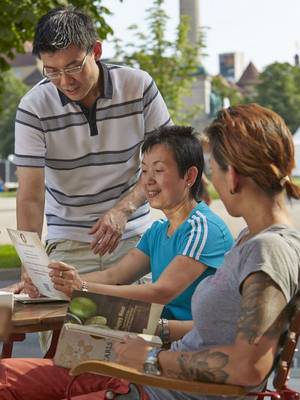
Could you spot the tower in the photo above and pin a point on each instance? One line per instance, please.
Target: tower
(191, 8)
(201, 89)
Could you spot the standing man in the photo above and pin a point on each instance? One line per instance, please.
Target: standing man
(77, 145)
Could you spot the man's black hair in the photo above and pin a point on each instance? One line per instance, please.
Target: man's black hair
(62, 27)
(186, 149)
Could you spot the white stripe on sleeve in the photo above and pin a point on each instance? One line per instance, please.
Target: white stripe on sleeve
(205, 233)
(190, 238)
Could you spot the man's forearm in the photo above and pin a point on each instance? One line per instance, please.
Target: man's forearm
(30, 215)
(134, 199)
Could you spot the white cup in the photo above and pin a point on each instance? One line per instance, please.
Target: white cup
(6, 309)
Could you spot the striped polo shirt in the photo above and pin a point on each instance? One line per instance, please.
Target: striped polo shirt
(91, 156)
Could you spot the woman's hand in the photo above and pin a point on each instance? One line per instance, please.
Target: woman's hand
(29, 287)
(64, 277)
(132, 352)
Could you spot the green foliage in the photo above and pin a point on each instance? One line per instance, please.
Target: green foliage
(9, 257)
(13, 90)
(223, 89)
(171, 64)
(11, 193)
(279, 89)
(18, 20)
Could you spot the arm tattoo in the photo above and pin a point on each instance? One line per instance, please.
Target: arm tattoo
(263, 309)
(203, 366)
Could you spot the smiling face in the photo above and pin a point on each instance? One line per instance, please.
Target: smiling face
(164, 188)
(82, 86)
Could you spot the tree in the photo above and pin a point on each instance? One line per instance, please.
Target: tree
(13, 90)
(279, 89)
(172, 65)
(18, 20)
(224, 89)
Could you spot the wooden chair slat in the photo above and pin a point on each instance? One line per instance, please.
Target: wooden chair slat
(134, 376)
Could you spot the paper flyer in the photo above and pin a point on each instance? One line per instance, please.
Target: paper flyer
(35, 260)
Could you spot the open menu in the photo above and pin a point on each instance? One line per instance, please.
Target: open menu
(35, 261)
(94, 322)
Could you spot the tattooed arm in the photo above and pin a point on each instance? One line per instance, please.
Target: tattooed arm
(251, 357)
(248, 360)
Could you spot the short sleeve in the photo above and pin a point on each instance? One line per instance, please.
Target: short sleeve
(205, 241)
(155, 110)
(273, 255)
(30, 147)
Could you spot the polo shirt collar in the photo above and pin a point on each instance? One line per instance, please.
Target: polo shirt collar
(105, 84)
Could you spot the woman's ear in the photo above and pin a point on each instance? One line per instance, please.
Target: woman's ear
(191, 175)
(97, 50)
(234, 180)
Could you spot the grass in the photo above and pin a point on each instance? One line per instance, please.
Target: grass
(9, 257)
(8, 194)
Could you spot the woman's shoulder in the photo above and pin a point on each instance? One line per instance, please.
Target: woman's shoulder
(276, 244)
(281, 236)
(275, 251)
(206, 217)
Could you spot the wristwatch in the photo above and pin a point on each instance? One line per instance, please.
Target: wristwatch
(151, 365)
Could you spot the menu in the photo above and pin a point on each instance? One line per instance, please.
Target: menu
(35, 261)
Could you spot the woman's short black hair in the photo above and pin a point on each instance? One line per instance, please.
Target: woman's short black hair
(186, 148)
(63, 27)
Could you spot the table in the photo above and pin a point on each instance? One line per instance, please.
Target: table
(28, 318)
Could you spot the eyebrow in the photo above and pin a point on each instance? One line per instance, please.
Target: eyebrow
(155, 162)
(66, 66)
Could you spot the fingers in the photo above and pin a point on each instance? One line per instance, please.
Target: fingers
(60, 266)
(65, 278)
(106, 244)
(30, 289)
(108, 231)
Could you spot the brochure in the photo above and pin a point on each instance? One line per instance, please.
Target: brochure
(35, 260)
(94, 322)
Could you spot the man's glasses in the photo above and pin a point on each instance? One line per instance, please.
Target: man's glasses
(67, 71)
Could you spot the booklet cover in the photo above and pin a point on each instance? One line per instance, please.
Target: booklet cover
(35, 260)
(94, 322)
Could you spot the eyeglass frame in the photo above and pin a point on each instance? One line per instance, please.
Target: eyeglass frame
(67, 71)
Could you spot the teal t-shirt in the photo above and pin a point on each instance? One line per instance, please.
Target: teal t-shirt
(202, 236)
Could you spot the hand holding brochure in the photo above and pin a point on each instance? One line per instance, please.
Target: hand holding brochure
(35, 260)
(94, 322)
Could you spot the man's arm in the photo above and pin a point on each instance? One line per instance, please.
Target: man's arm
(108, 230)
(30, 200)
(246, 362)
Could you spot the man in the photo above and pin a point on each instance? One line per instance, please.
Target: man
(77, 140)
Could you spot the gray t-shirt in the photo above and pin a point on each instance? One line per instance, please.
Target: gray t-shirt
(216, 301)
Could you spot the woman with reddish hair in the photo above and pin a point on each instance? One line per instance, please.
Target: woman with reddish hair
(240, 313)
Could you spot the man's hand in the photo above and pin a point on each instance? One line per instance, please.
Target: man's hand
(15, 288)
(108, 231)
(64, 277)
(132, 352)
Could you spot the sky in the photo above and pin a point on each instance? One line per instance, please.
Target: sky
(264, 30)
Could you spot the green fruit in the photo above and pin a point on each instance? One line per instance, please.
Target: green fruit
(83, 307)
(96, 320)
